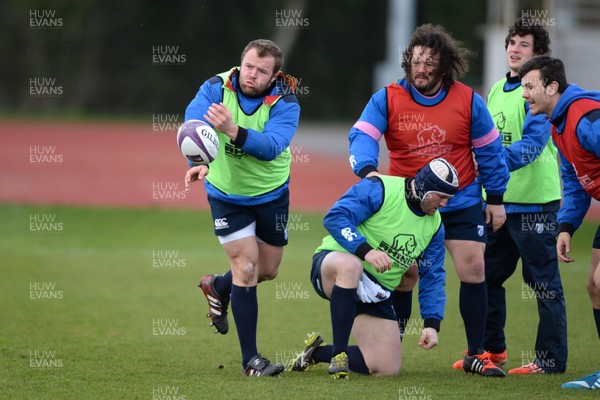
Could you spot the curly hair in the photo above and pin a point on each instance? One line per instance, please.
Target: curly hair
(530, 26)
(453, 62)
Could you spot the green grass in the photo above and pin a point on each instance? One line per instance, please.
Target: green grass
(98, 337)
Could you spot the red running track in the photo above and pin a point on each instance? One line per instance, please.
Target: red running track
(118, 164)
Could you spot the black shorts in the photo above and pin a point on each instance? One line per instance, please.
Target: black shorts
(271, 218)
(384, 309)
(596, 243)
(465, 224)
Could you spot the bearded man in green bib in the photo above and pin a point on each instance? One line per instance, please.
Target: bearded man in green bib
(255, 113)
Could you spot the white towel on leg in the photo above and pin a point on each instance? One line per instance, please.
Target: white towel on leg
(369, 291)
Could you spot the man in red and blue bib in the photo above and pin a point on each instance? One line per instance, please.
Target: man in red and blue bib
(575, 117)
(426, 115)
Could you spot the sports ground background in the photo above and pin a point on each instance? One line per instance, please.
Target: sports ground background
(101, 249)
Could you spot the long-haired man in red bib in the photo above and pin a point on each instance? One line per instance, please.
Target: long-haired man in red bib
(426, 115)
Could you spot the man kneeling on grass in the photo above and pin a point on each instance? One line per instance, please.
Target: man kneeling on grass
(378, 229)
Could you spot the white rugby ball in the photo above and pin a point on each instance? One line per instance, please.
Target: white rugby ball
(198, 142)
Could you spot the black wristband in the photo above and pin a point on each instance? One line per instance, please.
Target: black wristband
(432, 323)
(566, 227)
(362, 250)
(366, 170)
(241, 137)
(494, 199)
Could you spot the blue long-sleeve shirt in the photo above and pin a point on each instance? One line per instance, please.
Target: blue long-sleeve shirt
(364, 148)
(277, 135)
(360, 202)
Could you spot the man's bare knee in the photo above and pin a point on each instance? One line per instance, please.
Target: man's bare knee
(246, 272)
(408, 282)
(390, 370)
(269, 275)
(348, 273)
(472, 270)
(593, 288)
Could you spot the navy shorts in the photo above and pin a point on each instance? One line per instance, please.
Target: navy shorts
(384, 309)
(465, 224)
(271, 218)
(596, 244)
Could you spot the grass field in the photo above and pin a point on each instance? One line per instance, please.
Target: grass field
(103, 303)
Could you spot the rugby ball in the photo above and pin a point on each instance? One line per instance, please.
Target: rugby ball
(198, 142)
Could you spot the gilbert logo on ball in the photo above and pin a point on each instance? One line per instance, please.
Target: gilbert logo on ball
(198, 142)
